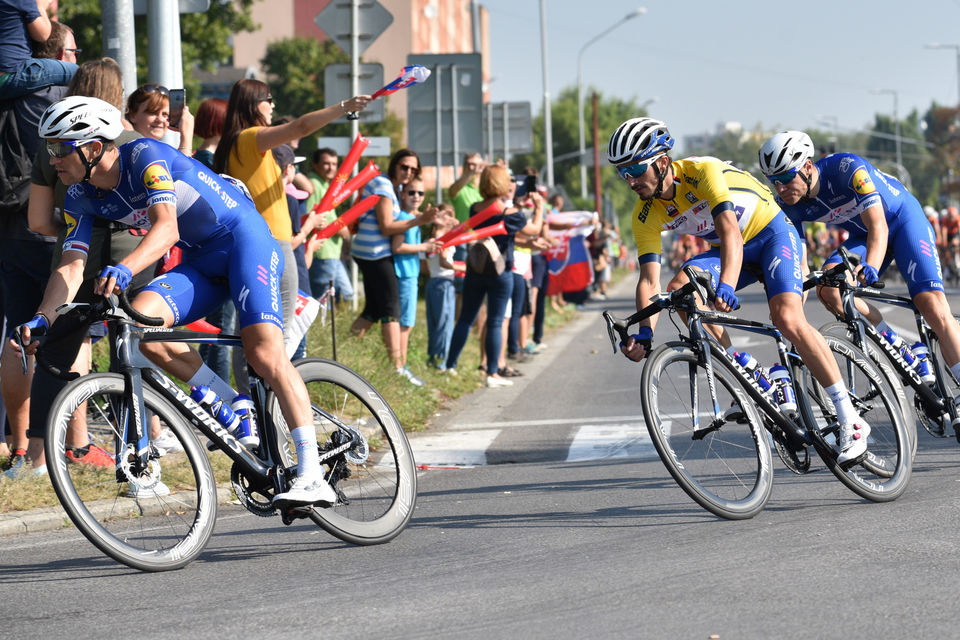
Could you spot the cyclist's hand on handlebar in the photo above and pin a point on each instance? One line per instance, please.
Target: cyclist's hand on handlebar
(867, 275)
(637, 346)
(113, 279)
(27, 332)
(726, 299)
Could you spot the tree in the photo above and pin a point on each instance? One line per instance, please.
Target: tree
(294, 68)
(566, 131)
(205, 37)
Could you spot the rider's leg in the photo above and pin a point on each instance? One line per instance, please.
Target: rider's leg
(830, 297)
(935, 310)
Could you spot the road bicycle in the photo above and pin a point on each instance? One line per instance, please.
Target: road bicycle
(155, 509)
(933, 402)
(712, 423)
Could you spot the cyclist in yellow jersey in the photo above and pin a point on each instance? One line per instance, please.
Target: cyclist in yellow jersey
(738, 216)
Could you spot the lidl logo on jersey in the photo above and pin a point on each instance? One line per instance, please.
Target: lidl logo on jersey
(862, 183)
(71, 222)
(156, 177)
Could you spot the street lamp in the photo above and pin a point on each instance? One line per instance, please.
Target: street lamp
(583, 168)
(955, 47)
(896, 123)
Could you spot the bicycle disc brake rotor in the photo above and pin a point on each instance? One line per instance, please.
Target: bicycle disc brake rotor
(145, 479)
(258, 503)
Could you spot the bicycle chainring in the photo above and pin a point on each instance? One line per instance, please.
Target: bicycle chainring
(936, 427)
(258, 503)
(796, 460)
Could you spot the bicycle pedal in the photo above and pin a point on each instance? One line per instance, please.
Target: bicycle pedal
(846, 466)
(289, 515)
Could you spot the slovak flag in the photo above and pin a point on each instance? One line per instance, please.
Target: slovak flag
(412, 74)
(569, 263)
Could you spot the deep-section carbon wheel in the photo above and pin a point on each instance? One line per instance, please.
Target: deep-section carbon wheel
(724, 465)
(152, 517)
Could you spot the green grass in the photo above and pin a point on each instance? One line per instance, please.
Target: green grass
(414, 406)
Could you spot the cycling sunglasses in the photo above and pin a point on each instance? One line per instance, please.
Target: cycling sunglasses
(633, 171)
(63, 149)
(783, 178)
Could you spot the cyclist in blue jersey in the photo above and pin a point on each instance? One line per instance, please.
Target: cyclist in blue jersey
(227, 250)
(884, 220)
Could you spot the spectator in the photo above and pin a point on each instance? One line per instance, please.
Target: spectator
(21, 23)
(407, 247)
(108, 245)
(242, 153)
(496, 187)
(327, 263)
(371, 250)
(208, 126)
(440, 295)
(464, 194)
(25, 255)
(148, 111)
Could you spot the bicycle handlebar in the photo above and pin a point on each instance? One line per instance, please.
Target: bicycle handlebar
(837, 275)
(700, 283)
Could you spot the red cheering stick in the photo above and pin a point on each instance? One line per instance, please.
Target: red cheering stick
(356, 183)
(469, 236)
(472, 221)
(339, 180)
(348, 218)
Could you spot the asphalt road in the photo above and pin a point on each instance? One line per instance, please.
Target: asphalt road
(558, 522)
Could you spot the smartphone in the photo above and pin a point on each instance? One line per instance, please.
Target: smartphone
(177, 98)
(530, 184)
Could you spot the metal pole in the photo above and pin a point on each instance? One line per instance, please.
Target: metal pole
(506, 134)
(333, 317)
(439, 100)
(896, 122)
(547, 123)
(475, 23)
(596, 159)
(354, 124)
(490, 132)
(453, 110)
(119, 41)
(161, 15)
(583, 166)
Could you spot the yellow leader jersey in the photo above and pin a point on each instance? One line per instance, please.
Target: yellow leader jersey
(704, 187)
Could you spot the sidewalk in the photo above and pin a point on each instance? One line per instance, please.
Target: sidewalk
(472, 408)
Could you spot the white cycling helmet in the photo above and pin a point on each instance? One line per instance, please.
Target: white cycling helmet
(81, 118)
(638, 139)
(785, 151)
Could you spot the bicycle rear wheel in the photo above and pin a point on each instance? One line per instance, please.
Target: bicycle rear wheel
(883, 475)
(726, 468)
(376, 480)
(155, 519)
(937, 426)
(892, 378)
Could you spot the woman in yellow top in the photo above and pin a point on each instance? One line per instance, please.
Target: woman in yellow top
(244, 152)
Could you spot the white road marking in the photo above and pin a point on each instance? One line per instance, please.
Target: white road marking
(627, 440)
(453, 448)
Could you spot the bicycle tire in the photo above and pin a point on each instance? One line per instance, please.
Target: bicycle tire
(151, 532)
(884, 474)
(729, 471)
(381, 491)
(952, 388)
(910, 417)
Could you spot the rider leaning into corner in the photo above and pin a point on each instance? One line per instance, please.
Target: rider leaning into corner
(737, 215)
(227, 251)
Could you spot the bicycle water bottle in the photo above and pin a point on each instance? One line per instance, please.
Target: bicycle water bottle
(922, 354)
(753, 368)
(784, 394)
(208, 399)
(246, 431)
(891, 336)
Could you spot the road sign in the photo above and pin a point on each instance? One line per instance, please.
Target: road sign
(379, 145)
(336, 87)
(372, 19)
(186, 6)
(519, 128)
(454, 92)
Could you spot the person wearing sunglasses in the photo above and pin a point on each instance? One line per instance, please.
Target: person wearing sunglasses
(736, 214)
(884, 222)
(227, 252)
(148, 112)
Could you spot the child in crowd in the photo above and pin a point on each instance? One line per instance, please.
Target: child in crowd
(406, 261)
(440, 293)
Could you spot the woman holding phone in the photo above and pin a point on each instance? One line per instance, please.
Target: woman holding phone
(149, 113)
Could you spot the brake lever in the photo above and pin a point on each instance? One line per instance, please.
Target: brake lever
(611, 327)
(23, 352)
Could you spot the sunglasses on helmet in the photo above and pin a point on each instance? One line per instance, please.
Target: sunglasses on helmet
(783, 178)
(65, 148)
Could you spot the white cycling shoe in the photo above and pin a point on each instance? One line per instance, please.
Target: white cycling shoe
(853, 441)
(307, 491)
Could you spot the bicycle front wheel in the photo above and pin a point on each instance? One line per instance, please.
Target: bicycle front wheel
(723, 464)
(376, 479)
(883, 475)
(153, 519)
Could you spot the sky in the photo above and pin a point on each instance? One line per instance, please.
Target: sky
(794, 65)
